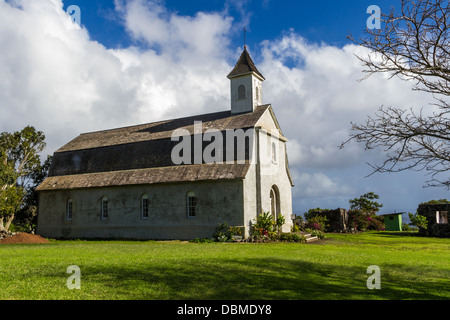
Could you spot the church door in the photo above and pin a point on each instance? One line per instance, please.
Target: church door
(274, 203)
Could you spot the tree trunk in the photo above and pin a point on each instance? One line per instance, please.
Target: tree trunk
(4, 225)
(9, 219)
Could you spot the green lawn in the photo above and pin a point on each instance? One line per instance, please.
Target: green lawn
(411, 267)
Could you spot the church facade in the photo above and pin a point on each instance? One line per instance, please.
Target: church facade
(173, 179)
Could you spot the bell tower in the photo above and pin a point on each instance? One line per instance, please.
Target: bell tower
(245, 84)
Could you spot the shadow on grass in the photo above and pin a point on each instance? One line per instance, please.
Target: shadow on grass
(400, 234)
(255, 279)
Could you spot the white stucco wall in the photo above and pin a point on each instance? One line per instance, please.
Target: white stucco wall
(252, 100)
(267, 172)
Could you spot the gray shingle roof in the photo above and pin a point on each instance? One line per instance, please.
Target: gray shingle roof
(163, 129)
(244, 65)
(182, 173)
(141, 154)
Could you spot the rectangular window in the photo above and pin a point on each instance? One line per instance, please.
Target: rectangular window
(192, 206)
(442, 217)
(104, 209)
(144, 208)
(69, 210)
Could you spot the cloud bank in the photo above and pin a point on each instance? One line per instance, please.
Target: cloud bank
(58, 79)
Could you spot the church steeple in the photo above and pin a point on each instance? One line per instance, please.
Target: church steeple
(246, 85)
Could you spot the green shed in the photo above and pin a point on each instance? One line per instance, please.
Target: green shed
(393, 221)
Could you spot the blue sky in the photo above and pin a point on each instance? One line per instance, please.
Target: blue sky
(138, 61)
(318, 21)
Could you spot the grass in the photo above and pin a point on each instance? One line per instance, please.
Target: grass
(411, 267)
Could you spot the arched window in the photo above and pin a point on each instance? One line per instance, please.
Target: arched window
(191, 203)
(144, 206)
(274, 152)
(241, 92)
(104, 208)
(69, 209)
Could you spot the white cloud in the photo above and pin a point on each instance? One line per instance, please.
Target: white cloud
(317, 97)
(319, 185)
(62, 82)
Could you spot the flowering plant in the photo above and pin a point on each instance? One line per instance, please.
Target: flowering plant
(363, 221)
(266, 226)
(317, 223)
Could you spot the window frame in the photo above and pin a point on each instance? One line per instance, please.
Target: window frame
(69, 209)
(440, 217)
(274, 152)
(145, 207)
(104, 208)
(191, 205)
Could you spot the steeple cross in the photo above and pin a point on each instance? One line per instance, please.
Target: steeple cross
(245, 45)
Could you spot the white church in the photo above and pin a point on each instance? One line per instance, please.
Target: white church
(173, 179)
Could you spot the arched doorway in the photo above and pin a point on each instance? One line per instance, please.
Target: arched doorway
(274, 202)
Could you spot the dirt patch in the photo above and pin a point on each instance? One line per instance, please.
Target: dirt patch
(23, 237)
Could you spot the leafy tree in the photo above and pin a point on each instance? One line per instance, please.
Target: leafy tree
(440, 201)
(313, 212)
(362, 214)
(10, 200)
(19, 158)
(366, 203)
(418, 220)
(414, 46)
(26, 218)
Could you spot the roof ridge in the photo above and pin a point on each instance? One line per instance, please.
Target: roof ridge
(154, 122)
(159, 129)
(244, 65)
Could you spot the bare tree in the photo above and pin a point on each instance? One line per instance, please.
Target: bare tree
(413, 44)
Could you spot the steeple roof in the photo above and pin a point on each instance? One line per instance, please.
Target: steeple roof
(244, 65)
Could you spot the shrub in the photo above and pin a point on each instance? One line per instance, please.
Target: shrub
(295, 228)
(279, 222)
(363, 221)
(264, 226)
(418, 220)
(314, 212)
(201, 240)
(224, 232)
(440, 230)
(407, 227)
(299, 224)
(292, 237)
(316, 233)
(317, 222)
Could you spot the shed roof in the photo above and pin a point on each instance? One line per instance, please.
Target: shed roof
(392, 214)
